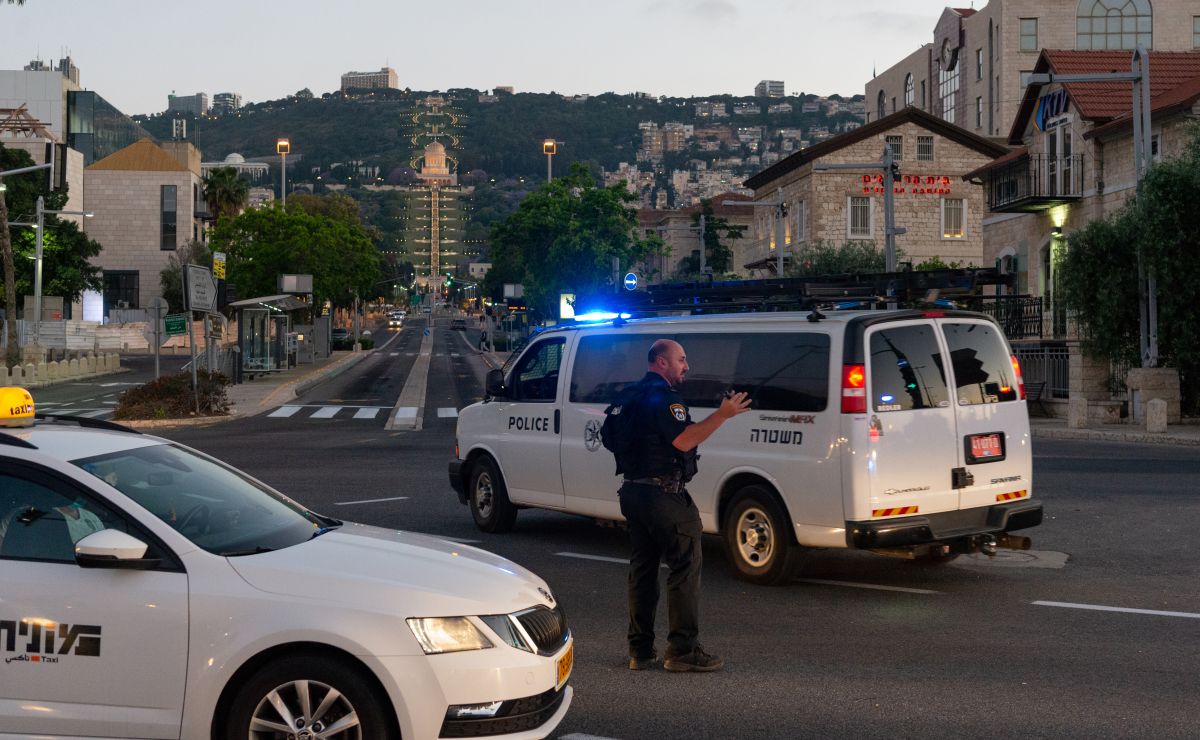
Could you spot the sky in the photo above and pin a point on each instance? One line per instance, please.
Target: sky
(135, 52)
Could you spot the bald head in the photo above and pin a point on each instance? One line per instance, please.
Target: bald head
(666, 357)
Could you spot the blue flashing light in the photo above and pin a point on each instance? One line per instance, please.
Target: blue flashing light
(594, 316)
(887, 398)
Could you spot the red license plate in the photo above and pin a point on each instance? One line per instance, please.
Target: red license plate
(986, 446)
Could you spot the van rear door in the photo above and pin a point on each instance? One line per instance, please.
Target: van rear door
(991, 416)
(913, 439)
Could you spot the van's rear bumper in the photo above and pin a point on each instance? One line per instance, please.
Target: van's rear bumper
(943, 526)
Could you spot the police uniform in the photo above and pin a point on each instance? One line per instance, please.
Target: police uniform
(664, 524)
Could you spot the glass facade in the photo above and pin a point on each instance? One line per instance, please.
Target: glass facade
(120, 289)
(96, 128)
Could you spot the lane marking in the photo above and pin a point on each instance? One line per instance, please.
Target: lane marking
(326, 412)
(110, 403)
(459, 540)
(447, 413)
(284, 411)
(871, 586)
(393, 354)
(1125, 610)
(454, 354)
(370, 501)
(366, 413)
(598, 558)
(406, 412)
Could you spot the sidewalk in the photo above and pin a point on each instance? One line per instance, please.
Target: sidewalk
(266, 392)
(1056, 428)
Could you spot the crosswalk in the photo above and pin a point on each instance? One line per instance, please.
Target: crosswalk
(90, 410)
(358, 413)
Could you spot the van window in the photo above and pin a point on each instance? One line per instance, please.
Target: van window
(536, 375)
(982, 367)
(906, 369)
(605, 364)
(781, 371)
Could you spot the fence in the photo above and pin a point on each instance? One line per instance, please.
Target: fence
(1048, 362)
(1020, 316)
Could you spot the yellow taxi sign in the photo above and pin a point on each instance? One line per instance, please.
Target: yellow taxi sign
(16, 407)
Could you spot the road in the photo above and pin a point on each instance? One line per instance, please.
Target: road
(96, 397)
(859, 645)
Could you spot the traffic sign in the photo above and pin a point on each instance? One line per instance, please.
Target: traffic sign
(176, 324)
(219, 265)
(201, 289)
(630, 281)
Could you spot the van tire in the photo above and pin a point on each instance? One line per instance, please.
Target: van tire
(758, 538)
(488, 498)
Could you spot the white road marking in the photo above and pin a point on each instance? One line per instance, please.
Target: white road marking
(393, 354)
(370, 501)
(110, 403)
(872, 586)
(50, 403)
(326, 412)
(94, 414)
(1098, 608)
(108, 385)
(406, 412)
(454, 354)
(447, 413)
(284, 411)
(366, 413)
(598, 558)
(459, 540)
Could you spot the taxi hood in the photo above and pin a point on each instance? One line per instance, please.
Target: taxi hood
(392, 571)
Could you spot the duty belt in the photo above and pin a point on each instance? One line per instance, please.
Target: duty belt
(670, 484)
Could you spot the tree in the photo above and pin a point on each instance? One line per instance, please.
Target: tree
(717, 255)
(563, 238)
(170, 278)
(826, 258)
(263, 243)
(225, 192)
(1100, 276)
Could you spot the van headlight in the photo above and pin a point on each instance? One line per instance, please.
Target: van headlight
(447, 634)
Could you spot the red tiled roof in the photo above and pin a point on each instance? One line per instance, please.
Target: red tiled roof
(1013, 155)
(965, 12)
(652, 216)
(1182, 97)
(1101, 102)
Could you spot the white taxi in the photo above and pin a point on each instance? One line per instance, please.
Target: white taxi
(148, 590)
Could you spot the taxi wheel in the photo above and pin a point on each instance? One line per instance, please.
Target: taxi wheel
(490, 506)
(758, 538)
(308, 696)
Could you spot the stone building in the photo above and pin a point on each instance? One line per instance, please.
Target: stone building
(942, 213)
(681, 234)
(975, 68)
(144, 200)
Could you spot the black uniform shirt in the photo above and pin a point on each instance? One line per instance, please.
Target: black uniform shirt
(664, 417)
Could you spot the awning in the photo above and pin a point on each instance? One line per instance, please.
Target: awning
(281, 302)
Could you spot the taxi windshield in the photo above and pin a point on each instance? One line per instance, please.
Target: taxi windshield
(213, 505)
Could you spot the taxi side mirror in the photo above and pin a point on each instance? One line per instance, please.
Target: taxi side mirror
(495, 383)
(111, 548)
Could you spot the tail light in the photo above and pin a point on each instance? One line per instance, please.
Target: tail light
(1020, 380)
(854, 389)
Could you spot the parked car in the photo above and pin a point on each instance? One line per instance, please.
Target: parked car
(162, 593)
(458, 324)
(340, 335)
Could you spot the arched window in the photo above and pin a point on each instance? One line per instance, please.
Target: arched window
(1114, 24)
(909, 92)
(880, 106)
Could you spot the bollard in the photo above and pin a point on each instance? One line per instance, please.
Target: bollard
(3, 374)
(16, 376)
(73, 369)
(1156, 416)
(52, 371)
(30, 373)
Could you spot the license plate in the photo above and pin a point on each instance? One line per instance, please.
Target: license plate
(565, 663)
(985, 447)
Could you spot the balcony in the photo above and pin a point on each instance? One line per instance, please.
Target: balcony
(1034, 182)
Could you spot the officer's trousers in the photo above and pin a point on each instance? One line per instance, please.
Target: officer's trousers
(662, 527)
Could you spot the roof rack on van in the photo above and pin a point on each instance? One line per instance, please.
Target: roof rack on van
(831, 292)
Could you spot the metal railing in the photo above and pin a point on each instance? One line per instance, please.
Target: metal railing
(1049, 363)
(1020, 316)
(1035, 178)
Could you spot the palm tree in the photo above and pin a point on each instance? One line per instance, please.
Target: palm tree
(225, 192)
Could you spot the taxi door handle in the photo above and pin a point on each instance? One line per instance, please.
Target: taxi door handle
(556, 417)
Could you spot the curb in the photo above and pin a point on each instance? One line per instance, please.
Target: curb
(1100, 435)
(196, 421)
(332, 371)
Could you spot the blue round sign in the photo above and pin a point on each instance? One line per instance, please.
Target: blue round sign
(630, 281)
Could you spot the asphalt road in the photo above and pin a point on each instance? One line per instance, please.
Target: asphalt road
(859, 645)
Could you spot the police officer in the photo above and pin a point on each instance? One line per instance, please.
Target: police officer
(664, 523)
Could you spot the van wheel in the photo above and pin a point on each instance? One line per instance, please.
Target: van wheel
(758, 538)
(490, 506)
(309, 694)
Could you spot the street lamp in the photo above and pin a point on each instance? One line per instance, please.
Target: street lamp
(283, 147)
(549, 148)
(37, 266)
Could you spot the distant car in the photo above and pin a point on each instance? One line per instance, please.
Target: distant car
(458, 324)
(340, 335)
(395, 319)
(113, 542)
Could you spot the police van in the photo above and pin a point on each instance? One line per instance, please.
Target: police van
(903, 432)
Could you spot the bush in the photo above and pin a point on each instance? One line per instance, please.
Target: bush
(348, 344)
(170, 397)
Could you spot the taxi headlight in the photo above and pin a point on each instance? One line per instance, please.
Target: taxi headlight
(447, 635)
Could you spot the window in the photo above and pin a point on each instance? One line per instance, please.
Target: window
(801, 227)
(922, 94)
(1114, 24)
(948, 90)
(893, 104)
(908, 89)
(1029, 34)
(954, 211)
(859, 218)
(1156, 147)
(924, 148)
(978, 112)
(40, 523)
(879, 105)
(536, 375)
(1196, 32)
(780, 371)
(1060, 164)
(906, 369)
(169, 199)
(897, 145)
(979, 64)
(983, 372)
(120, 289)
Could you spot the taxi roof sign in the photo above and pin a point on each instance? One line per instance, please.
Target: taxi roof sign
(16, 407)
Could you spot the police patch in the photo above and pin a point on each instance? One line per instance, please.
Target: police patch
(679, 411)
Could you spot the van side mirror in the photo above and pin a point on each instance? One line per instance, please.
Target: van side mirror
(494, 384)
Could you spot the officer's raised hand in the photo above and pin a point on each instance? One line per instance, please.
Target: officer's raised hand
(691, 437)
(733, 404)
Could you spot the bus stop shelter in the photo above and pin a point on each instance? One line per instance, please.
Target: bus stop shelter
(265, 342)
